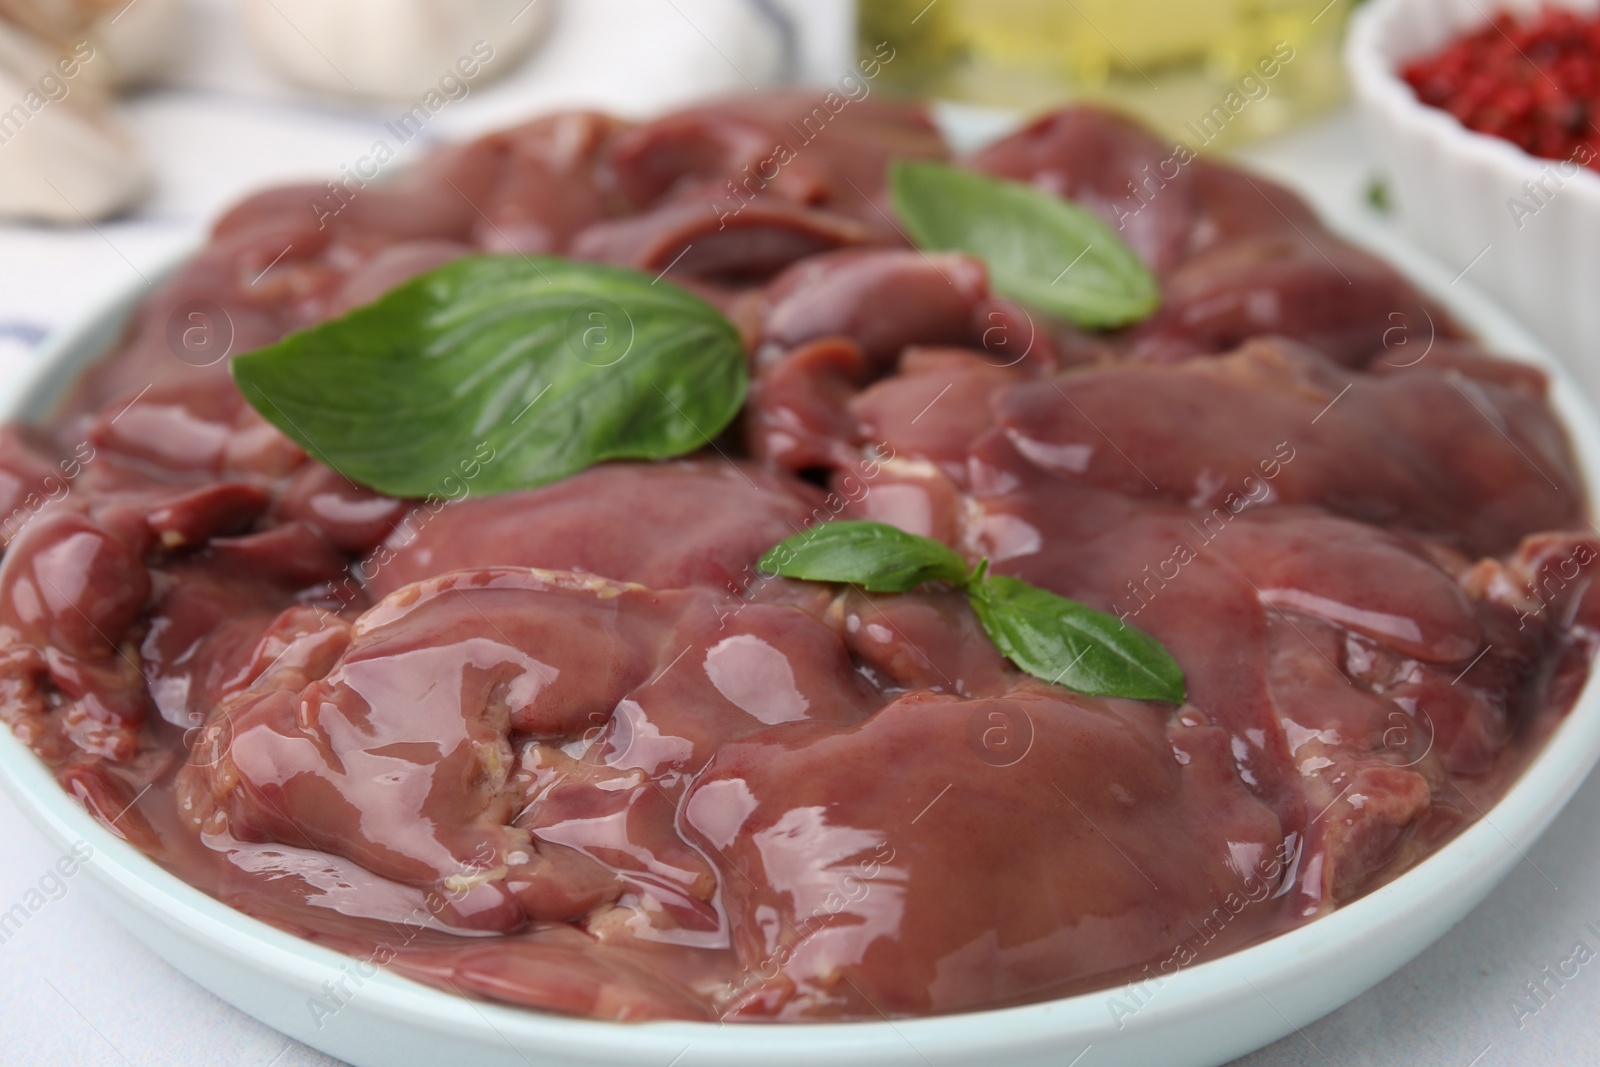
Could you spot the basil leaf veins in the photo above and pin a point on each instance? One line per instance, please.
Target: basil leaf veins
(1059, 640)
(877, 557)
(1041, 250)
(555, 365)
(1071, 644)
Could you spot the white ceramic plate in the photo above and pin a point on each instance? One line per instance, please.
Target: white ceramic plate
(1203, 1015)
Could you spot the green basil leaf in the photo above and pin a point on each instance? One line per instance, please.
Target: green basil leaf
(876, 557)
(547, 365)
(1069, 644)
(1042, 250)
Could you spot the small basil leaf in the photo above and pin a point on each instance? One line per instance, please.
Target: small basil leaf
(1069, 644)
(876, 557)
(1042, 250)
(552, 364)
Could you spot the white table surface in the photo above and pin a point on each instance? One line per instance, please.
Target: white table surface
(75, 989)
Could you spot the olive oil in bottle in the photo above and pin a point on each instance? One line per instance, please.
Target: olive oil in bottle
(1206, 72)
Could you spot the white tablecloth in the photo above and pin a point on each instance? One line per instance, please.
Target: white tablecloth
(76, 989)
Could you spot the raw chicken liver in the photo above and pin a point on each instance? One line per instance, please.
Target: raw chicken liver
(569, 748)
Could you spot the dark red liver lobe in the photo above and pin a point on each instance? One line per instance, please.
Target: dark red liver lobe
(958, 877)
(665, 526)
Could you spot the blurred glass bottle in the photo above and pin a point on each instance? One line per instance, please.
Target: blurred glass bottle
(1207, 72)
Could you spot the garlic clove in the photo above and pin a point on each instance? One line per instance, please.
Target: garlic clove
(139, 39)
(135, 38)
(392, 49)
(62, 159)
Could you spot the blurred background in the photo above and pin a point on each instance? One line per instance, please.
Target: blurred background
(1169, 61)
(126, 124)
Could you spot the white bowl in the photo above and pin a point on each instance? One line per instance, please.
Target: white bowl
(1457, 189)
(1203, 1015)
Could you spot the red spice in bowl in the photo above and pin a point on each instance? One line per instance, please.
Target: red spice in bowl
(1535, 83)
